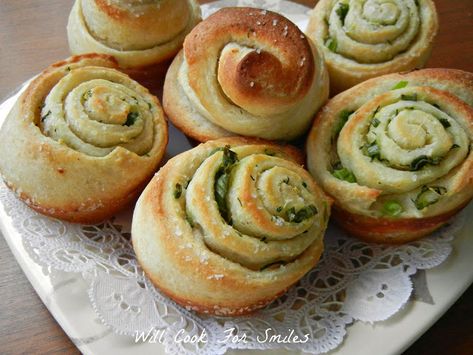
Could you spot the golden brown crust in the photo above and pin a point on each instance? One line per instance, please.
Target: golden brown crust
(428, 115)
(388, 230)
(199, 260)
(269, 80)
(62, 175)
(274, 82)
(234, 310)
(85, 213)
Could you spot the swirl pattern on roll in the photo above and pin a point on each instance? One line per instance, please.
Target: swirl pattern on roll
(267, 74)
(82, 140)
(136, 33)
(362, 39)
(231, 213)
(94, 110)
(399, 147)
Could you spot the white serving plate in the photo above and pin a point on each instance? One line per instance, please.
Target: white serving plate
(65, 294)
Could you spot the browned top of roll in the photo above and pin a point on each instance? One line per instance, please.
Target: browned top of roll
(279, 73)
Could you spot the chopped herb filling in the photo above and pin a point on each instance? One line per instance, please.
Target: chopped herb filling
(222, 178)
(331, 44)
(444, 122)
(298, 216)
(177, 191)
(343, 119)
(392, 208)
(45, 116)
(428, 196)
(372, 150)
(400, 85)
(409, 97)
(131, 118)
(342, 11)
(344, 174)
(422, 161)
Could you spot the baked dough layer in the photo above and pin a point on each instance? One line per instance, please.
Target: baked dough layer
(363, 39)
(228, 226)
(137, 33)
(82, 140)
(245, 71)
(395, 153)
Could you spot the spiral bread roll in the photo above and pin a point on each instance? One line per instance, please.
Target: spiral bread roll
(228, 226)
(245, 71)
(138, 33)
(363, 39)
(82, 140)
(395, 153)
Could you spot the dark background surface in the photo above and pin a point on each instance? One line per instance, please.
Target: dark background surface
(32, 36)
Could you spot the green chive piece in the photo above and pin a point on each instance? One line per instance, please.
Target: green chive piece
(343, 119)
(400, 85)
(45, 116)
(392, 208)
(190, 220)
(375, 122)
(221, 187)
(342, 11)
(229, 158)
(222, 178)
(372, 150)
(444, 122)
(419, 162)
(409, 97)
(177, 191)
(428, 196)
(87, 95)
(298, 216)
(131, 118)
(331, 44)
(344, 174)
(376, 111)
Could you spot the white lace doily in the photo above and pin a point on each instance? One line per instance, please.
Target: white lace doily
(354, 281)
